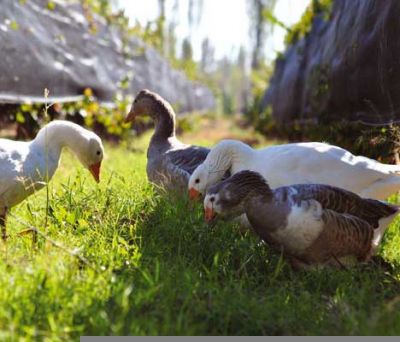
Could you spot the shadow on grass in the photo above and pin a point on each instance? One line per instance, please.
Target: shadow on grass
(194, 279)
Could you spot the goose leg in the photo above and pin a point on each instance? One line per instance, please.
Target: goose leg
(3, 214)
(299, 265)
(338, 262)
(244, 223)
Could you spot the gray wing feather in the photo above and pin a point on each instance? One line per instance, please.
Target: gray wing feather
(188, 158)
(343, 201)
(343, 235)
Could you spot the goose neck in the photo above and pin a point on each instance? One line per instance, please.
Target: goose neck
(58, 134)
(238, 156)
(164, 124)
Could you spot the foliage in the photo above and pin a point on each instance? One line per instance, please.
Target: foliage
(110, 119)
(303, 26)
(273, 20)
(107, 121)
(151, 34)
(160, 34)
(260, 79)
(186, 62)
(376, 142)
(259, 22)
(100, 7)
(154, 34)
(155, 268)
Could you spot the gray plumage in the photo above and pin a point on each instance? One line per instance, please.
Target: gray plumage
(169, 162)
(312, 223)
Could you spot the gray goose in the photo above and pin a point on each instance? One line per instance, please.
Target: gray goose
(169, 162)
(311, 223)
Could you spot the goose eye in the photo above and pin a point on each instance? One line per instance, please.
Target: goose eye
(197, 181)
(98, 153)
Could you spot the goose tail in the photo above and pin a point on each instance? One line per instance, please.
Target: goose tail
(383, 225)
(393, 169)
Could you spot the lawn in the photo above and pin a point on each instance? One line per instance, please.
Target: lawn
(134, 262)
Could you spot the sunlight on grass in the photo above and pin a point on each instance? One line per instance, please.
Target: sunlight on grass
(157, 268)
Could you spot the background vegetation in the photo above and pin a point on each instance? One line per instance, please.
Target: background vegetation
(375, 141)
(233, 79)
(238, 82)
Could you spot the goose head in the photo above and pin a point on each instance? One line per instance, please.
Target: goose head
(222, 201)
(147, 103)
(219, 163)
(202, 178)
(86, 145)
(198, 182)
(227, 198)
(91, 156)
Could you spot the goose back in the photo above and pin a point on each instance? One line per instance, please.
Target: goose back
(24, 169)
(343, 201)
(314, 163)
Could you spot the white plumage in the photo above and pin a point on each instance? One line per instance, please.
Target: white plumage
(299, 163)
(26, 166)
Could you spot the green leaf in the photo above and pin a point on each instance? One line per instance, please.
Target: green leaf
(20, 118)
(14, 25)
(51, 5)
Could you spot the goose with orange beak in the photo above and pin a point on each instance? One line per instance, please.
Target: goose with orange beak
(95, 171)
(219, 202)
(169, 161)
(25, 167)
(313, 224)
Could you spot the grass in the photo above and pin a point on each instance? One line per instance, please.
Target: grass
(156, 268)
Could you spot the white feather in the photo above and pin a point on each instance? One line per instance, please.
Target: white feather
(302, 163)
(304, 225)
(26, 166)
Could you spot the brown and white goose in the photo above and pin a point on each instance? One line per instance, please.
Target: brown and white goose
(311, 223)
(169, 162)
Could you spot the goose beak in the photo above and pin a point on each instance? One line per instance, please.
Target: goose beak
(209, 214)
(131, 117)
(194, 194)
(95, 171)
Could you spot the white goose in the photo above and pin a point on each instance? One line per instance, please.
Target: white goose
(299, 163)
(25, 166)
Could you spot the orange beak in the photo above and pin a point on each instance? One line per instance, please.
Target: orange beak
(209, 214)
(131, 117)
(194, 194)
(95, 171)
